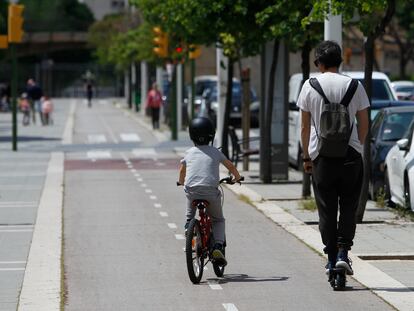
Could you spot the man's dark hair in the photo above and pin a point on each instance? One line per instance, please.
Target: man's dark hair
(328, 53)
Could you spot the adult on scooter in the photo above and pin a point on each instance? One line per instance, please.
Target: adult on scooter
(337, 171)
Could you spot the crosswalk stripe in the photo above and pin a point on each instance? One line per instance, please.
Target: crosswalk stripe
(96, 139)
(144, 153)
(130, 137)
(99, 154)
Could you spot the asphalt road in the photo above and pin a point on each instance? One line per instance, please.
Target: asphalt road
(123, 236)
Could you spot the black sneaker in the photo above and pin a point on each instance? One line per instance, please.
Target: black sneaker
(329, 266)
(344, 262)
(218, 255)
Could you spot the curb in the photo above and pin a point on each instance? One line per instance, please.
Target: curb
(387, 288)
(41, 289)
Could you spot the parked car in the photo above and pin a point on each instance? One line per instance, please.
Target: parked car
(404, 89)
(389, 125)
(399, 171)
(206, 103)
(382, 96)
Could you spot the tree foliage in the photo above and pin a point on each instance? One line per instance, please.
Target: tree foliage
(56, 15)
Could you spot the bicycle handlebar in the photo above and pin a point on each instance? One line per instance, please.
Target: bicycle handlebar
(227, 180)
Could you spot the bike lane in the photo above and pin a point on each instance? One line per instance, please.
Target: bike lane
(123, 240)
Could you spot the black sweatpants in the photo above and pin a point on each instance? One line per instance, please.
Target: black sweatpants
(337, 181)
(155, 118)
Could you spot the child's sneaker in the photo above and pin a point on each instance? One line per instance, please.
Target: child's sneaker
(218, 255)
(344, 262)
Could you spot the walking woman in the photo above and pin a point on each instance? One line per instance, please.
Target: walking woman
(154, 102)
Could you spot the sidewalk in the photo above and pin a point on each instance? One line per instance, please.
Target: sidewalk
(383, 254)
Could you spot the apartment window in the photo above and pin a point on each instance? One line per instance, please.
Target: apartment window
(117, 4)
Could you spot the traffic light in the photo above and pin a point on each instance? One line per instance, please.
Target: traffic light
(16, 23)
(161, 42)
(195, 51)
(4, 42)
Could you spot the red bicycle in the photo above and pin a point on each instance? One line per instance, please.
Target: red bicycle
(200, 241)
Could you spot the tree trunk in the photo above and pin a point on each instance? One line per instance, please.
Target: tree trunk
(306, 178)
(227, 108)
(403, 64)
(245, 121)
(369, 64)
(267, 176)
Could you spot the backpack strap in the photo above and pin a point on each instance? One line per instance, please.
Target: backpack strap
(314, 83)
(353, 85)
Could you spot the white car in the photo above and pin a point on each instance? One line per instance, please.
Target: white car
(404, 89)
(382, 92)
(399, 171)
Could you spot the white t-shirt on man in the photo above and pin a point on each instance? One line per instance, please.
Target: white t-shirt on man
(334, 86)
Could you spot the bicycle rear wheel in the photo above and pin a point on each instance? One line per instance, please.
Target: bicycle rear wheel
(219, 269)
(194, 252)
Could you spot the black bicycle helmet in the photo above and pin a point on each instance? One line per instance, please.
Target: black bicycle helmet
(201, 131)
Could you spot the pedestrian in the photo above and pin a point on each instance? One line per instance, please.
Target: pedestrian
(199, 174)
(332, 143)
(47, 109)
(24, 106)
(89, 93)
(154, 102)
(35, 94)
(5, 97)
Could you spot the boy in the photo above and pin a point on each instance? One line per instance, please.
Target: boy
(199, 173)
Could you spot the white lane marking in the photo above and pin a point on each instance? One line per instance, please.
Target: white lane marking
(179, 237)
(144, 153)
(153, 197)
(163, 214)
(130, 137)
(12, 269)
(170, 225)
(148, 191)
(229, 307)
(133, 170)
(16, 230)
(96, 139)
(140, 179)
(214, 286)
(143, 185)
(109, 130)
(70, 122)
(18, 204)
(157, 205)
(137, 174)
(99, 154)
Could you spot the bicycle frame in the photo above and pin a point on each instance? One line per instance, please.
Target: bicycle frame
(205, 222)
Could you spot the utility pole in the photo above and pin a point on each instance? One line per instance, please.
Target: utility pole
(15, 35)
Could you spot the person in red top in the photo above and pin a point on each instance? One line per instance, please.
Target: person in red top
(154, 102)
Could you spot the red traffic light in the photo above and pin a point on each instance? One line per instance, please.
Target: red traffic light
(179, 49)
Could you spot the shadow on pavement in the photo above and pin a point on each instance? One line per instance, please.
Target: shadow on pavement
(244, 278)
(28, 138)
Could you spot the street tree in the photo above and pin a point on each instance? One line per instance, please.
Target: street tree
(230, 25)
(374, 16)
(283, 21)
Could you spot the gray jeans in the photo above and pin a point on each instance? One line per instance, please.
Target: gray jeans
(214, 209)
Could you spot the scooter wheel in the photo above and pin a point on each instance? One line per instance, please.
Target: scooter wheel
(340, 281)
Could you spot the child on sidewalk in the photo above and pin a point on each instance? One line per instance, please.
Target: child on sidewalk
(24, 106)
(47, 109)
(199, 173)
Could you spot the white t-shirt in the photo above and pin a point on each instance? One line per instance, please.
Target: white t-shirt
(334, 86)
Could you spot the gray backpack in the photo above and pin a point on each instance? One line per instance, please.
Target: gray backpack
(334, 127)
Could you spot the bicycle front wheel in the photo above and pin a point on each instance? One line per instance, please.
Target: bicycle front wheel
(194, 252)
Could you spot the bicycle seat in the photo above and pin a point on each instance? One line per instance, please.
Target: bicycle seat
(200, 204)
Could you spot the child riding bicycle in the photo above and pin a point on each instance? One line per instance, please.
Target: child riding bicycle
(199, 173)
